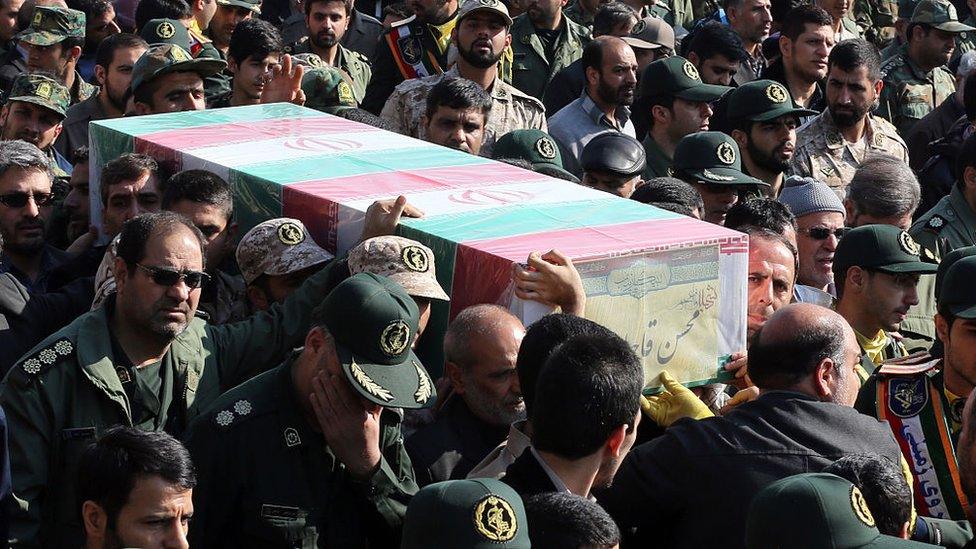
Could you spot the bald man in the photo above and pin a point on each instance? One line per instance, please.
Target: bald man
(803, 360)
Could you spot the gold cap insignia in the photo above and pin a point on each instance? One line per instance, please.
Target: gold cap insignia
(290, 234)
(367, 383)
(690, 71)
(165, 30)
(345, 92)
(546, 148)
(776, 93)
(908, 243)
(495, 519)
(395, 338)
(43, 90)
(424, 389)
(38, 16)
(861, 510)
(725, 153)
(415, 259)
(179, 54)
(638, 28)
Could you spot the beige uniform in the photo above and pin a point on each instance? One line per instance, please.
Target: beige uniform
(822, 152)
(510, 109)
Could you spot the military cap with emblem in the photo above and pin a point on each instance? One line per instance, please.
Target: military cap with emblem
(407, 262)
(492, 6)
(52, 24)
(165, 31)
(651, 33)
(42, 91)
(957, 295)
(278, 247)
(677, 77)
(884, 248)
(712, 158)
(374, 323)
(939, 14)
(328, 89)
(481, 513)
(162, 59)
(762, 101)
(614, 153)
(534, 146)
(253, 5)
(815, 510)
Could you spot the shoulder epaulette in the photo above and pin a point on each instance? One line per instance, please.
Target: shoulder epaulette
(238, 411)
(892, 63)
(45, 357)
(915, 363)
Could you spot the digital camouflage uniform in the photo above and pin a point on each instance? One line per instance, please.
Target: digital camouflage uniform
(533, 67)
(51, 25)
(877, 19)
(355, 64)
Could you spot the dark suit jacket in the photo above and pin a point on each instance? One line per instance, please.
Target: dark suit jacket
(527, 477)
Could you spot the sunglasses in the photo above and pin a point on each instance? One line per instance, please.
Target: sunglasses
(169, 277)
(822, 233)
(19, 200)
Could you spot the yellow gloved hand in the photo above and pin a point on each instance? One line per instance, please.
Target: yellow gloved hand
(673, 403)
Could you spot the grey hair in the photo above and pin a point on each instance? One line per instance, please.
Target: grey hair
(21, 154)
(884, 186)
(966, 64)
(476, 320)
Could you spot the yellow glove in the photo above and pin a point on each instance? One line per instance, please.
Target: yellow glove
(673, 403)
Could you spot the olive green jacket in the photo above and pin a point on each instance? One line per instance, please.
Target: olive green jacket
(65, 392)
(531, 70)
(354, 63)
(949, 225)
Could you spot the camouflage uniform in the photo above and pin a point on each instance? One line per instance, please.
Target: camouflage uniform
(510, 109)
(50, 94)
(52, 25)
(877, 18)
(355, 64)
(822, 152)
(328, 89)
(533, 66)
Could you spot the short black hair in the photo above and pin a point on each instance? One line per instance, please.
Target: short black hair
(669, 190)
(589, 387)
(109, 468)
(137, 231)
(347, 4)
(851, 54)
(787, 361)
(541, 339)
(254, 38)
(714, 38)
(610, 15)
(126, 167)
(799, 17)
(883, 484)
(561, 520)
(460, 94)
(79, 155)
(148, 10)
(199, 186)
(105, 53)
(761, 212)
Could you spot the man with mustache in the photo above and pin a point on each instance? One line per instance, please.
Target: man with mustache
(34, 112)
(751, 20)
(481, 37)
(544, 42)
(832, 146)
(915, 79)
(805, 42)
(819, 227)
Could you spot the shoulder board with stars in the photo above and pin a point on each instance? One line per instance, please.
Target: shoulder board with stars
(46, 357)
(240, 409)
(936, 223)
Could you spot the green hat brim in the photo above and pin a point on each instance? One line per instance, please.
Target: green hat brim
(256, 8)
(401, 382)
(203, 66)
(506, 18)
(954, 26)
(909, 267)
(967, 312)
(782, 111)
(555, 167)
(39, 102)
(35, 38)
(703, 92)
(723, 176)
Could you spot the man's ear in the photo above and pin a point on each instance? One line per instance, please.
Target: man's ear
(75, 52)
(660, 113)
(121, 273)
(785, 45)
(741, 139)
(95, 520)
(878, 86)
(100, 75)
(849, 208)
(825, 379)
(942, 329)
(592, 75)
(231, 64)
(453, 373)
(615, 442)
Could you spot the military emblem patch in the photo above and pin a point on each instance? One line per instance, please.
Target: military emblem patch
(179, 54)
(415, 259)
(367, 383)
(860, 506)
(411, 49)
(43, 90)
(908, 243)
(546, 148)
(124, 375)
(395, 338)
(638, 28)
(776, 93)
(38, 17)
(725, 153)
(165, 30)
(345, 93)
(494, 519)
(690, 71)
(423, 385)
(291, 437)
(936, 222)
(907, 396)
(290, 234)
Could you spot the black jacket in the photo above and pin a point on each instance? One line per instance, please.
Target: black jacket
(939, 172)
(527, 477)
(692, 487)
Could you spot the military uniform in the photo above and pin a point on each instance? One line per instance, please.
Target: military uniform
(824, 154)
(951, 221)
(534, 65)
(81, 90)
(75, 384)
(510, 109)
(909, 94)
(658, 162)
(355, 64)
(877, 18)
(52, 25)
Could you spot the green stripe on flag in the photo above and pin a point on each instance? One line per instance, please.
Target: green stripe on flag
(142, 125)
(255, 200)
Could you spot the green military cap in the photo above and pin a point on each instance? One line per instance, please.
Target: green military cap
(52, 24)
(939, 14)
(676, 76)
(374, 323)
(253, 5)
(958, 293)
(328, 89)
(493, 6)
(948, 261)
(534, 146)
(41, 90)
(906, 8)
(762, 101)
(614, 153)
(712, 158)
(884, 248)
(162, 59)
(815, 510)
(165, 31)
(481, 513)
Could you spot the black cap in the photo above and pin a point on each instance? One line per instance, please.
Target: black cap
(615, 153)
(948, 261)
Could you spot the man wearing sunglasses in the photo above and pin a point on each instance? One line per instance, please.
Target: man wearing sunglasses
(141, 359)
(819, 227)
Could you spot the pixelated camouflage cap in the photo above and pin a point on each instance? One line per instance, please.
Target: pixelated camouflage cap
(165, 31)
(52, 24)
(41, 90)
(253, 5)
(493, 6)
(534, 146)
(328, 89)
(278, 247)
(407, 262)
(939, 14)
(162, 59)
(712, 158)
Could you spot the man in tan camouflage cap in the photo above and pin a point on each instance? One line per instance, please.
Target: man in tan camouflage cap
(168, 79)
(328, 89)
(34, 112)
(53, 43)
(275, 257)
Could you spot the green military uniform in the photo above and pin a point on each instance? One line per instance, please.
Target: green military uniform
(877, 20)
(910, 93)
(355, 64)
(78, 382)
(951, 223)
(576, 14)
(534, 62)
(658, 162)
(52, 25)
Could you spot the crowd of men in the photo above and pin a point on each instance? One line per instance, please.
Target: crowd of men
(173, 380)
